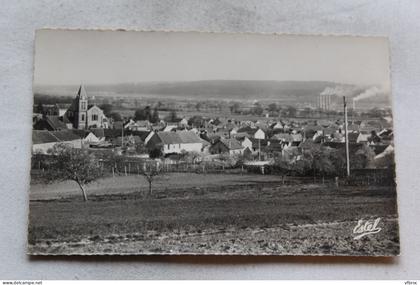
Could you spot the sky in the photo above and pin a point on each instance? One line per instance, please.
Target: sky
(72, 57)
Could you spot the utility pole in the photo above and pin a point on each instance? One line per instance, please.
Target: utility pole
(122, 135)
(346, 137)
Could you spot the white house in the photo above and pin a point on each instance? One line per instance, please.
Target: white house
(245, 142)
(259, 134)
(140, 125)
(91, 138)
(230, 146)
(175, 142)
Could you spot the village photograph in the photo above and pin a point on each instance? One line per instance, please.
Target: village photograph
(204, 143)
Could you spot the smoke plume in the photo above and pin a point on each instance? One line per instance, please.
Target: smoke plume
(340, 90)
(370, 92)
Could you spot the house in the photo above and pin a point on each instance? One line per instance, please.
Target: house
(140, 125)
(297, 138)
(386, 135)
(363, 137)
(283, 137)
(84, 116)
(175, 142)
(388, 150)
(245, 142)
(50, 123)
(147, 137)
(233, 132)
(311, 131)
(259, 134)
(43, 140)
(170, 128)
(47, 109)
(62, 108)
(353, 128)
(183, 123)
(276, 126)
(256, 133)
(133, 140)
(143, 135)
(99, 133)
(91, 138)
(274, 147)
(291, 154)
(230, 146)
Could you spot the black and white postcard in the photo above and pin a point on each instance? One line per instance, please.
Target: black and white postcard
(205, 143)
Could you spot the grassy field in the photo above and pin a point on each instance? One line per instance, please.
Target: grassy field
(207, 214)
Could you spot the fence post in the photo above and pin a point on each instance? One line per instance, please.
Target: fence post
(125, 170)
(113, 171)
(336, 181)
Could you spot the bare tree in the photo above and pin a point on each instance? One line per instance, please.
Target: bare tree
(150, 171)
(69, 163)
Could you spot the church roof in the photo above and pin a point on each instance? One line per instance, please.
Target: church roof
(81, 92)
(74, 107)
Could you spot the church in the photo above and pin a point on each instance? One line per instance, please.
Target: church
(82, 115)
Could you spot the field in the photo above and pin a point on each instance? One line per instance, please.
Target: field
(208, 214)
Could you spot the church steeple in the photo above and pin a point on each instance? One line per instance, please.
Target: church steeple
(82, 92)
(82, 98)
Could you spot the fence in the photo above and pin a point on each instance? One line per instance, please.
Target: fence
(136, 166)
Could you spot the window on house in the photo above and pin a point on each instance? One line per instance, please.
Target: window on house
(94, 117)
(83, 117)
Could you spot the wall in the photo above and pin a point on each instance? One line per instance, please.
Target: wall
(100, 115)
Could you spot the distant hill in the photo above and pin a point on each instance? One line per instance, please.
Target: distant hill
(244, 90)
(214, 89)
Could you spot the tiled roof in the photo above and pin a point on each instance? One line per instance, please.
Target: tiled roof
(247, 130)
(39, 137)
(99, 133)
(282, 136)
(56, 123)
(178, 137)
(65, 135)
(231, 144)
